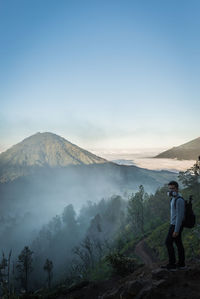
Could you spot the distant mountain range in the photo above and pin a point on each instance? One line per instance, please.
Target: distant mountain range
(186, 151)
(45, 169)
(45, 172)
(50, 152)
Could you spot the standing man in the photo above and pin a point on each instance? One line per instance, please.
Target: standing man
(174, 234)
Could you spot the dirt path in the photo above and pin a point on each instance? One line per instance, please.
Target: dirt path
(146, 257)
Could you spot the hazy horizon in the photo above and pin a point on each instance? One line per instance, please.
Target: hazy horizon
(110, 149)
(103, 150)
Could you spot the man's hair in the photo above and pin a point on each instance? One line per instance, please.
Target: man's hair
(174, 183)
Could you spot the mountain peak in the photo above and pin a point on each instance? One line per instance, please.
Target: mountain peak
(45, 150)
(43, 136)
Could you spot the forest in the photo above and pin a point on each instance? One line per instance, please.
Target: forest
(98, 242)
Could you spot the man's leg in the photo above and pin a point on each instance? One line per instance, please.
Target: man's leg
(169, 244)
(181, 251)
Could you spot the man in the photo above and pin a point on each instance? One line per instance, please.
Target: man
(174, 234)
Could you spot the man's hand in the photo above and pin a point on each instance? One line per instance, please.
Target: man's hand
(175, 234)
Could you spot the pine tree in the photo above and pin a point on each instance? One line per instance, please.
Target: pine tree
(24, 266)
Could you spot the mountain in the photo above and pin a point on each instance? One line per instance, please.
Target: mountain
(186, 151)
(44, 173)
(47, 171)
(42, 150)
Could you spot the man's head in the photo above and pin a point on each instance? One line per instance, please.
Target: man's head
(173, 188)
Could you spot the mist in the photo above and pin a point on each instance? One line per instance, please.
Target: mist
(29, 202)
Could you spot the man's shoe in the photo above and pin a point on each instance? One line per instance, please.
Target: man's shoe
(181, 266)
(169, 267)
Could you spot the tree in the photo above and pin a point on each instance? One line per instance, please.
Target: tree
(55, 225)
(157, 208)
(5, 275)
(70, 230)
(85, 252)
(3, 266)
(48, 266)
(191, 177)
(136, 210)
(115, 207)
(68, 216)
(8, 273)
(24, 266)
(95, 227)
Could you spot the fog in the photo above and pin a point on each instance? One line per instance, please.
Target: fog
(157, 164)
(51, 211)
(145, 160)
(58, 237)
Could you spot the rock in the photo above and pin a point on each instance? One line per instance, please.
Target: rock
(133, 287)
(78, 286)
(186, 284)
(36, 292)
(160, 274)
(192, 272)
(150, 292)
(160, 283)
(113, 294)
(125, 291)
(144, 293)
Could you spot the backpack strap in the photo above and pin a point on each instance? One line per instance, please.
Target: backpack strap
(176, 200)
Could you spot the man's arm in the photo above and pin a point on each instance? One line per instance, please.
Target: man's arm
(180, 208)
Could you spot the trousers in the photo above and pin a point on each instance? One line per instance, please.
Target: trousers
(170, 247)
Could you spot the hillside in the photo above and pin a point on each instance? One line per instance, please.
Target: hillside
(42, 150)
(186, 151)
(145, 283)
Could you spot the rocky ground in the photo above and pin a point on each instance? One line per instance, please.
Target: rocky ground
(149, 281)
(145, 283)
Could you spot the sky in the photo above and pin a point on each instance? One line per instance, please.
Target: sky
(104, 74)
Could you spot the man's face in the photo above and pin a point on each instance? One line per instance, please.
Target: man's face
(173, 191)
(172, 188)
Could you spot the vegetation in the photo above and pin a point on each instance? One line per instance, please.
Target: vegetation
(98, 242)
(191, 237)
(120, 263)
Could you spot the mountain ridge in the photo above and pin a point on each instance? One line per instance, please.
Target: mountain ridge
(186, 151)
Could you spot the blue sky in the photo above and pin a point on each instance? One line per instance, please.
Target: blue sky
(102, 74)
